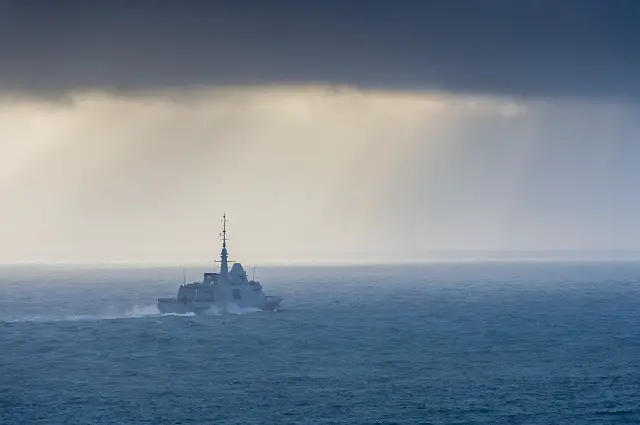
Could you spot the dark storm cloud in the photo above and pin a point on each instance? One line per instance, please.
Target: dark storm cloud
(539, 47)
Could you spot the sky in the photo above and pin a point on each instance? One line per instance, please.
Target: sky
(327, 131)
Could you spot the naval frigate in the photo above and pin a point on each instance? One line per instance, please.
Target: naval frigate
(220, 292)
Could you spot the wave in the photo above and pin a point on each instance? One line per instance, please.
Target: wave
(616, 412)
(190, 314)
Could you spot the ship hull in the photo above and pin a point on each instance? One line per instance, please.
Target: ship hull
(175, 306)
(271, 303)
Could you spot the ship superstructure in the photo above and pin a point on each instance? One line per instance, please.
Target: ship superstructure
(220, 292)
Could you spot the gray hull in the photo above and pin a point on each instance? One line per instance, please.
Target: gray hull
(175, 306)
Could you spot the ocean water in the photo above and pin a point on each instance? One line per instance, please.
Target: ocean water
(456, 343)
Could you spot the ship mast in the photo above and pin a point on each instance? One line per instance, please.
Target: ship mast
(224, 267)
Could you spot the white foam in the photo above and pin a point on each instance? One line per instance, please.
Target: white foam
(189, 314)
(144, 310)
(136, 311)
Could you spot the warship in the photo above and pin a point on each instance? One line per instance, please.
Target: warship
(220, 292)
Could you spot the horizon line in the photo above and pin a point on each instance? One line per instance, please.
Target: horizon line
(505, 257)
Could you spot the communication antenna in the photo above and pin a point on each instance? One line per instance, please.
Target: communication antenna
(254, 274)
(184, 278)
(224, 231)
(224, 262)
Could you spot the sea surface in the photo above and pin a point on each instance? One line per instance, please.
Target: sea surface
(443, 343)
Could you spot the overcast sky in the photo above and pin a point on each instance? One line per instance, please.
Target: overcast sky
(332, 130)
(586, 47)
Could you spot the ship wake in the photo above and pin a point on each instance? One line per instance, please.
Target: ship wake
(137, 311)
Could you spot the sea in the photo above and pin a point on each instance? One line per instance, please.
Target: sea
(440, 343)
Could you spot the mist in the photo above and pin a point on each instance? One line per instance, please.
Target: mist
(312, 174)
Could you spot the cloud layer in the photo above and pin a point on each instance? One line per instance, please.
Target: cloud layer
(543, 48)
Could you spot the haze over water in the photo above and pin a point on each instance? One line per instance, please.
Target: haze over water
(472, 343)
